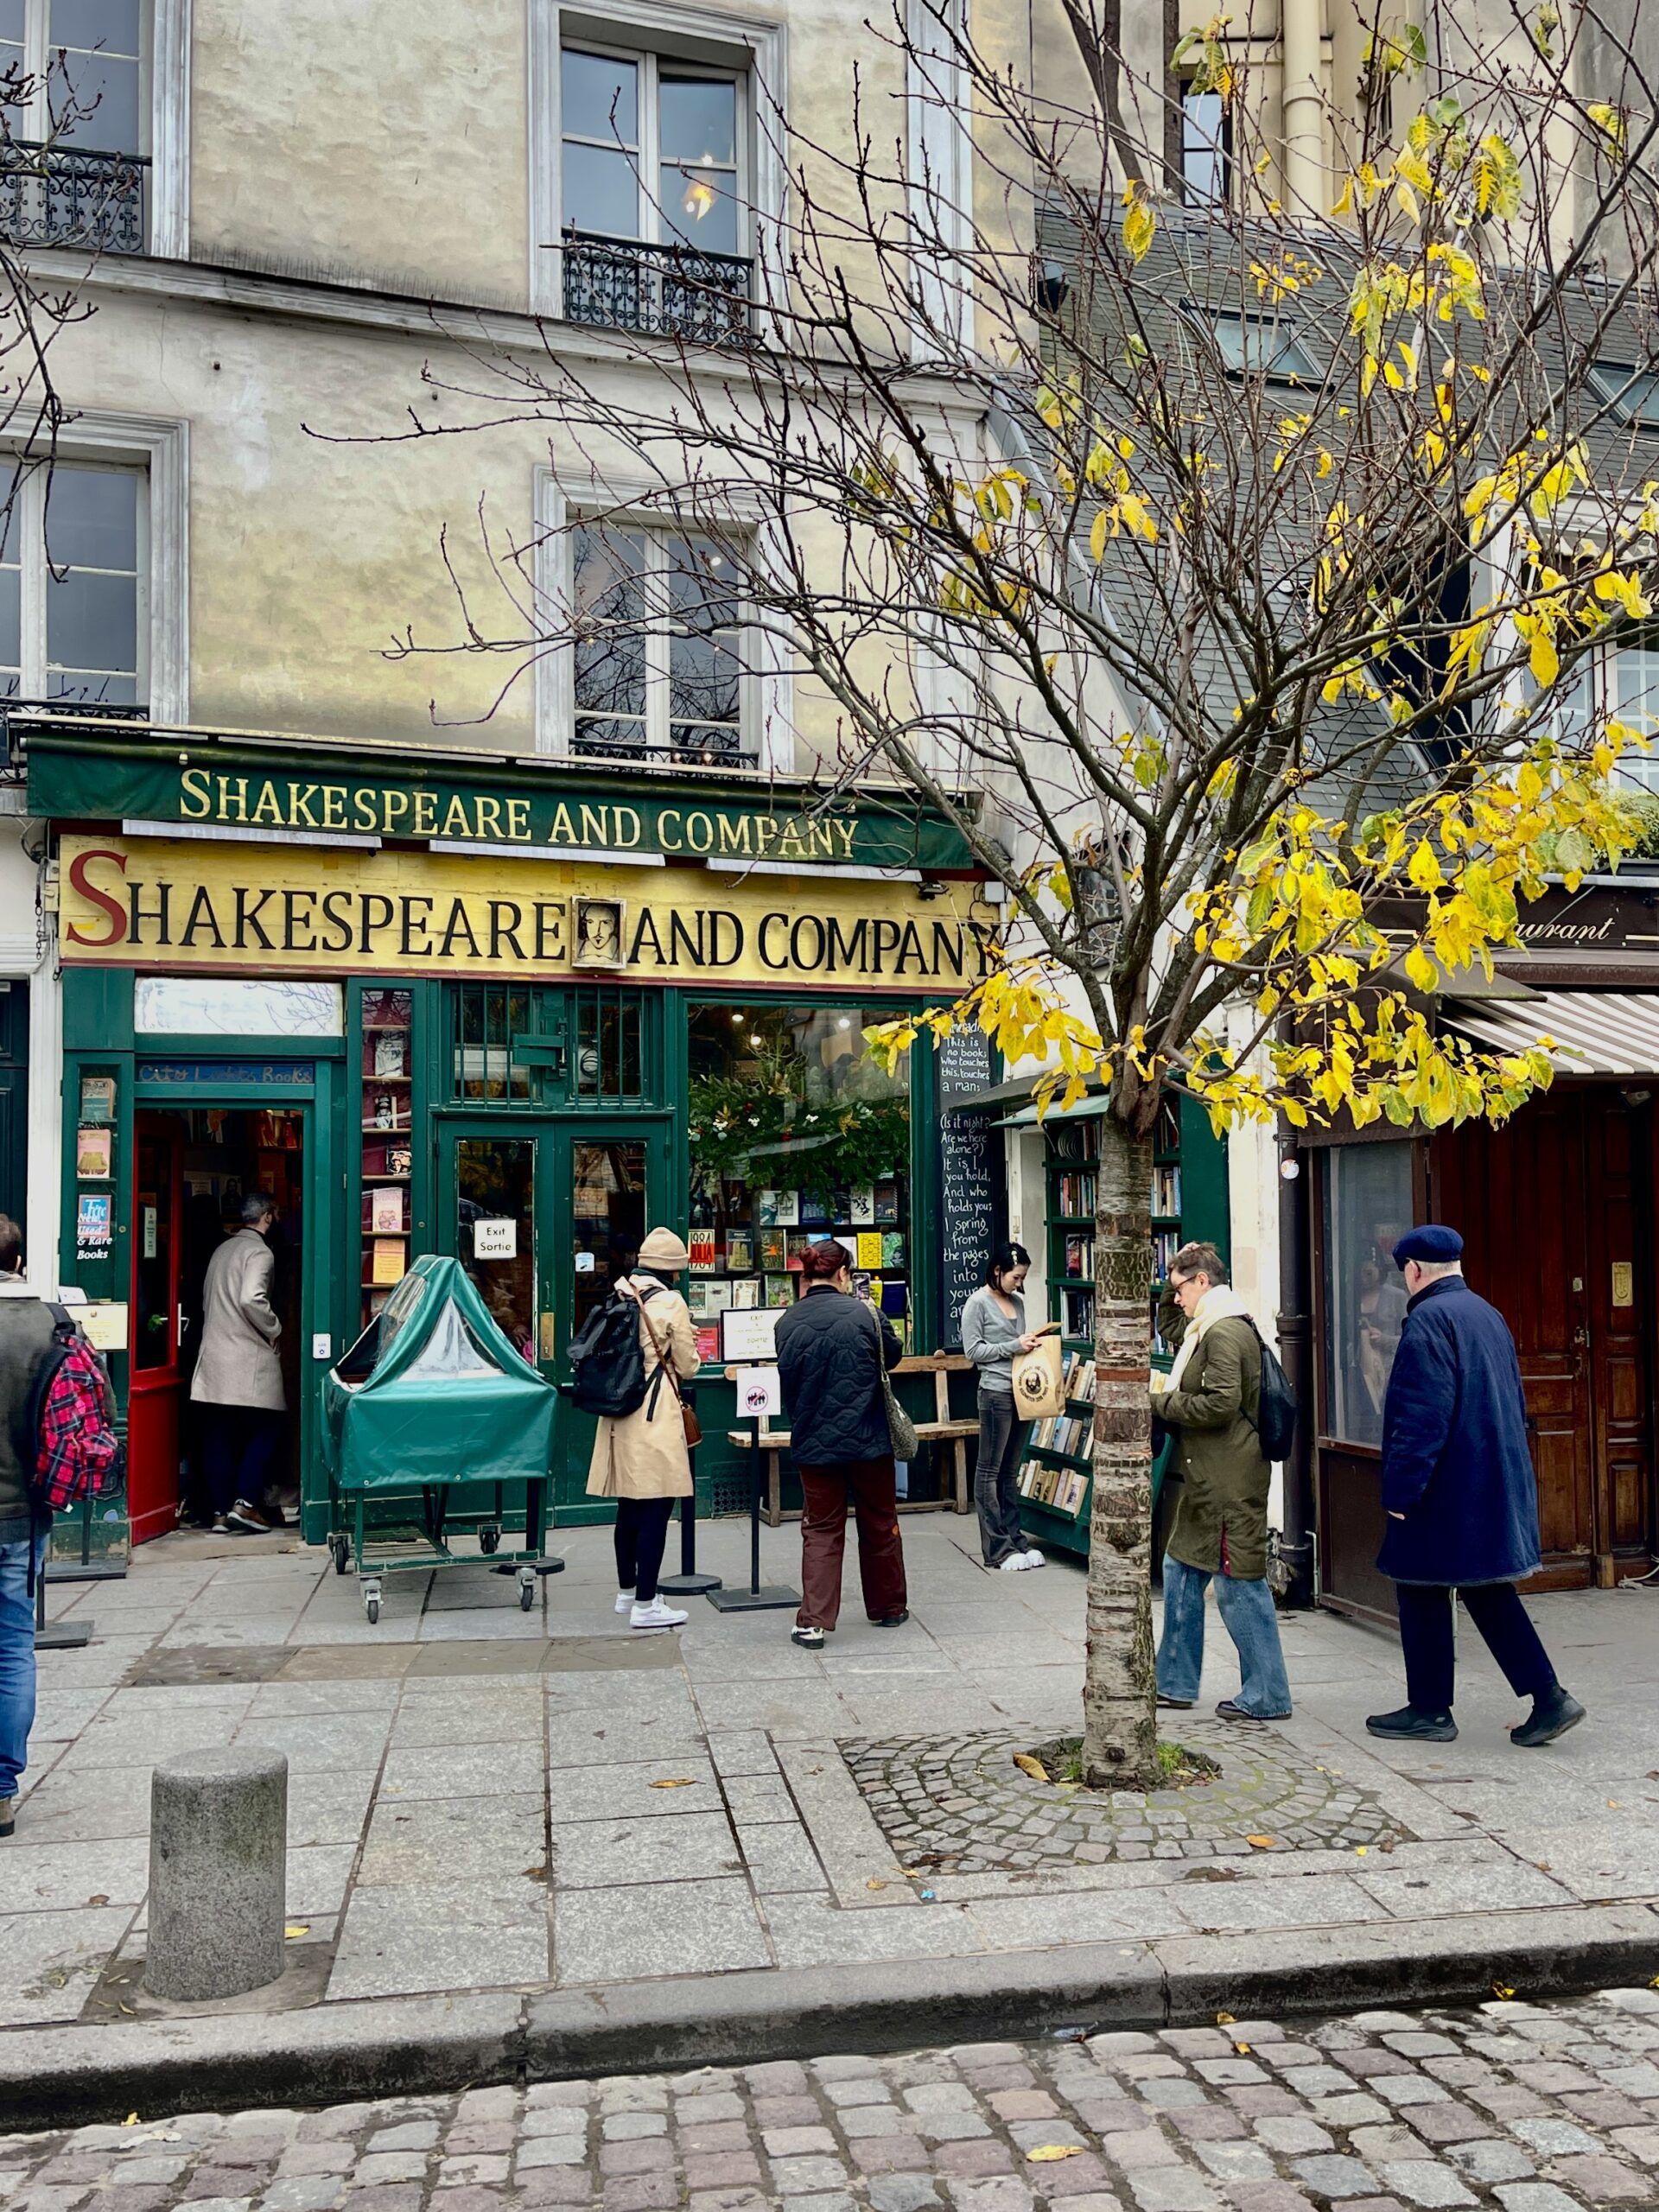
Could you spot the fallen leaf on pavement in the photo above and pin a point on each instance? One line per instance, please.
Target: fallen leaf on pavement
(874, 1884)
(1034, 1768)
(99, 1899)
(1225, 2020)
(296, 1928)
(676, 1782)
(1613, 1803)
(1360, 1850)
(131, 2120)
(1045, 2151)
(1242, 2049)
(1501, 1989)
(1261, 1842)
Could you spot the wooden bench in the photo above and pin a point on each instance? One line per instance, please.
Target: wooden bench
(944, 1428)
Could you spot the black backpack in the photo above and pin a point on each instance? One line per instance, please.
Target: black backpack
(1275, 1411)
(608, 1359)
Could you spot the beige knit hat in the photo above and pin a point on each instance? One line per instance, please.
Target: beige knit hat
(663, 1250)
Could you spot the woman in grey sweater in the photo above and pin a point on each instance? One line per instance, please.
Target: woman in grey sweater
(992, 1330)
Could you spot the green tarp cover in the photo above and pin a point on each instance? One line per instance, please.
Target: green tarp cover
(448, 1400)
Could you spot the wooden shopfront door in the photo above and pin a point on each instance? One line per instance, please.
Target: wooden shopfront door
(545, 1214)
(1556, 1210)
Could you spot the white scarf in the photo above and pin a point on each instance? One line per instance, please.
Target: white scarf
(1220, 1301)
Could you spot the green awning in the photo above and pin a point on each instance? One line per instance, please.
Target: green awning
(1089, 1109)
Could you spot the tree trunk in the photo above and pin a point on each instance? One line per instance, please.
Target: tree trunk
(1120, 1727)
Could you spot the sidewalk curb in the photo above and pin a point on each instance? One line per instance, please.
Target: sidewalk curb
(329, 2054)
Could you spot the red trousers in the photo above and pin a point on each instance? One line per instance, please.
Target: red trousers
(868, 1484)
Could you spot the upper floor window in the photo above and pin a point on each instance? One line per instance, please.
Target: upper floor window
(73, 156)
(659, 650)
(654, 200)
(73, 587)
(1261, 346)
(1206, 148)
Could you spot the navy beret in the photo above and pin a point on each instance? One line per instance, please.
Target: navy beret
(1433, 1243)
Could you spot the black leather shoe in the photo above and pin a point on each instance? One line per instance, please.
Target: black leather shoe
(1407, 1725)
(1552, 1714)
(890, 1620)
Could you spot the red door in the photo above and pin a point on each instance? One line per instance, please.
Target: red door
(154, 1402)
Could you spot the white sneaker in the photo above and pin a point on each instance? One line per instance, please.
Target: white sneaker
(625, 1601)
(1034, 1558)
(1015, 1563)
(655, 1615)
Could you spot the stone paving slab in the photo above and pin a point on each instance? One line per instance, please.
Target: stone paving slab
(521, 1773)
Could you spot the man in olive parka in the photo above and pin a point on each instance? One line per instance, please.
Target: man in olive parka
(1220, 1528)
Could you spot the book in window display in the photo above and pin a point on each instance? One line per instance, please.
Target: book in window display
(746, 1293)
(774, 1250)
(887, 1202)
(780, 1290)
(778, 1209)
(386, 1211)
(740, 1251)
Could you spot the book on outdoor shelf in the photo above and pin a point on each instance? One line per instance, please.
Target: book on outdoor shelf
(740, 1251)
(780, 1290)
(774, 1250)
(887, 1202)
(386, 1211)
(386, 1264)
(708, 1342)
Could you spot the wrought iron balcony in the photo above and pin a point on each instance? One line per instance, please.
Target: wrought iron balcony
(712, 748)
(67, 195)
(661, 291)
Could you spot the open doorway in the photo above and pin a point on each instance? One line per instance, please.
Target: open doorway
(194, 1166)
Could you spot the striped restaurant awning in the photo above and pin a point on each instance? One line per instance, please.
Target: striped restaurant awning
(1594, 1032)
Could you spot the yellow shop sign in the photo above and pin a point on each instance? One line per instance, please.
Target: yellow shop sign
(143, 903)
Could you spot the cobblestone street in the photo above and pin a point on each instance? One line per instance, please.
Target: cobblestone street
(1529, 2108)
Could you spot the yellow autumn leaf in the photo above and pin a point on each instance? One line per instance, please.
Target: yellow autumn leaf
(131, 2120)
(1225, 2020)
(1501, 1989)
(297, 1928)
(1543, 659)
(1139, 222)
(1262, 1842)
(1046, 2151)
(1034, 1768)
(875, 1882)
(674, 1782)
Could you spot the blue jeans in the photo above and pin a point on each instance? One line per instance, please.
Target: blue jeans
(1247, 1614)
(16, 1658)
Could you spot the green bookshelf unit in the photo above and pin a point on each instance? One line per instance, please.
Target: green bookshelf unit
(1189, 1203)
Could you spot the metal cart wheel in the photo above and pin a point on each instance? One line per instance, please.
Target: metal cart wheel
(371, 1602)
(526, 1588)
(489, 1539)
(342, 1549)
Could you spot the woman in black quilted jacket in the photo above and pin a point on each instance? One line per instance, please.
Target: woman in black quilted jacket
(832, 1348)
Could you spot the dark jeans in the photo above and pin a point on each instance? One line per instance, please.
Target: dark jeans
(868, 1484)
(1426, 1641)
(641, 1533)
(1002, 1436)
(239, 1452)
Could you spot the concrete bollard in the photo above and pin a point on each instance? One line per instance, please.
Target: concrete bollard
(217, 1851)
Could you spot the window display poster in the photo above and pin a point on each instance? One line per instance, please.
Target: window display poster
(386, 1211)
(870, 1249)
(98, 1098)
(93, 1221)
(92, 1154)
(861, 1204)
(778, 1209)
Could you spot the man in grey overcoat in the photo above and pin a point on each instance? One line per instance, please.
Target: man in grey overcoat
(239, 1378)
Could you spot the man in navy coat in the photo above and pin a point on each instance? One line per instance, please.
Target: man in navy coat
(1461, 1497)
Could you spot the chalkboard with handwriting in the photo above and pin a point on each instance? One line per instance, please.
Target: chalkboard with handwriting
(970, 1156)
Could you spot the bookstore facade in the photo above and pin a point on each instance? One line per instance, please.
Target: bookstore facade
(299, 967)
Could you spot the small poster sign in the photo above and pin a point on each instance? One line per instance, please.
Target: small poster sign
(92, 1221)
(93, 1152)
(495, 1240)
(745, 1334)
(758, 1392)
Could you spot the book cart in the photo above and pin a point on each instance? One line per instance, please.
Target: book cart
(1189, 1201)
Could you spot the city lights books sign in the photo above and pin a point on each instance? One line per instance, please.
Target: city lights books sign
(147, 903)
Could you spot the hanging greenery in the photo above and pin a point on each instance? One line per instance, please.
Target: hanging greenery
(852, 1141)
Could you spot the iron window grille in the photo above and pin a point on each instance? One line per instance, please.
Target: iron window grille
(66, 195)
(660, 291)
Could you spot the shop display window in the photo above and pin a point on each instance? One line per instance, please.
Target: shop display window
(386, 1074)
(795, 1134)
(1368, 1208)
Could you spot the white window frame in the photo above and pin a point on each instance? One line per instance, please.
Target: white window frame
(29, 523)
(766, 695)
(651, 229)
(939, 165)
(165, 38)
(156, 451)
(758, 49)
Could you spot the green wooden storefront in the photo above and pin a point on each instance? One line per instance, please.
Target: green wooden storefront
(552, 1087)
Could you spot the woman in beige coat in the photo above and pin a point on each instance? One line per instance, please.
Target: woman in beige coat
(640, 1458)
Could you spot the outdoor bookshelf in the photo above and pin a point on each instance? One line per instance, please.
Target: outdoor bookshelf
(1189, 1201)
(385, 1075)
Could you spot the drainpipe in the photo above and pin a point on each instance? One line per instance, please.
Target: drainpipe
(1295, 1325)
(1304, 107)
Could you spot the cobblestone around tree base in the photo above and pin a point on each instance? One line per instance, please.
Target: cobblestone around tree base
(960, 1805)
